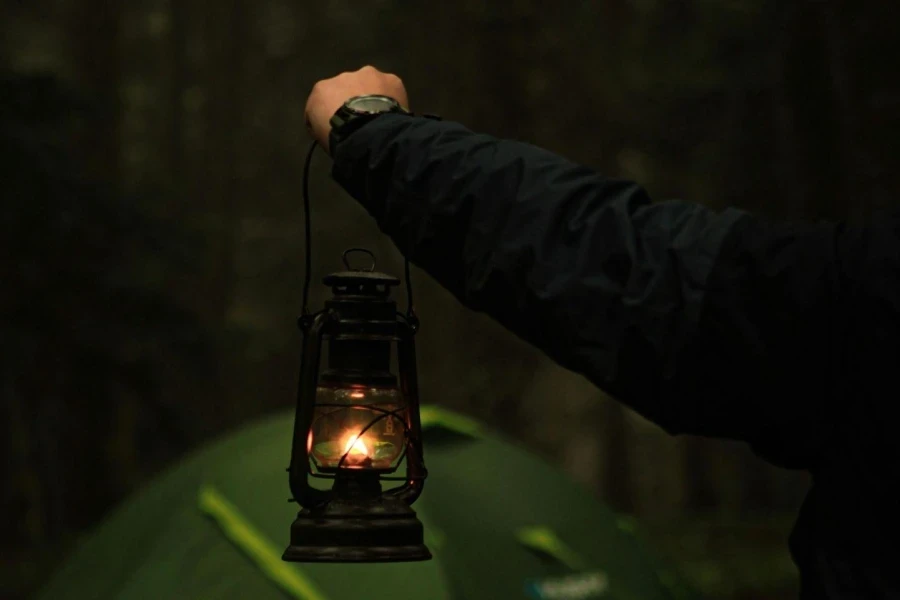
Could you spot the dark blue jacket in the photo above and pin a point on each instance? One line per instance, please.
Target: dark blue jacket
(709, 323)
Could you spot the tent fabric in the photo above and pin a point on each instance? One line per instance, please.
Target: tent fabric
(501, 523)
(258, 548)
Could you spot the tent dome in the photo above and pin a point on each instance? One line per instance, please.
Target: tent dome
(502, 524)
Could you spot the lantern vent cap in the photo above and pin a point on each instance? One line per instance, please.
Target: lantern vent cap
(365, 276)
(360, 278)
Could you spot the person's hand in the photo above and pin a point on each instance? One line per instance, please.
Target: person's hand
(328, 95)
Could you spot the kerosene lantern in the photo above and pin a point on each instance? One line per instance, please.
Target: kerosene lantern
(356, 424)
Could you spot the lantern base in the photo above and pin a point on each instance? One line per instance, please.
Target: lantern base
(385, 530)
(356, 554)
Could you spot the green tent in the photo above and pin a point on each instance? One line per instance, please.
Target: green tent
(502, 525)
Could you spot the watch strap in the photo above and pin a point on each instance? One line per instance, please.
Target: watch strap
(343, 127)
(345, 122)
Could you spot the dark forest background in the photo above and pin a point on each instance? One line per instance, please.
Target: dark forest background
(151, 243)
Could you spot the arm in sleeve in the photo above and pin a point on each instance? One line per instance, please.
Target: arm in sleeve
(708, 323)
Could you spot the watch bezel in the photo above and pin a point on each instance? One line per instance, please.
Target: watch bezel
(391, 104)
(347, 119)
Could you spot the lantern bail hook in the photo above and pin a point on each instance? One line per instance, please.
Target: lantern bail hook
(346, 260)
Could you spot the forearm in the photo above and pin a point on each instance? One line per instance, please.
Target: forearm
(687, 315)
(552, 250)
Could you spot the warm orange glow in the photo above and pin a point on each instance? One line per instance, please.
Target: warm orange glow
(355, 448)
(357, 395)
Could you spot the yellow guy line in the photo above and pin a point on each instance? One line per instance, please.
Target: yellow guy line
(260, 550)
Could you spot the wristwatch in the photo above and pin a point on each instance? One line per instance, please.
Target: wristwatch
(358, 111)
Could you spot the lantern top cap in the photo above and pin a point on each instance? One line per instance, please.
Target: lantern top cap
(364, 276)
(360, 277)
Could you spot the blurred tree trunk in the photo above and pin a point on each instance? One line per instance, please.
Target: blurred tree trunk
(861, 169)
(93, 38)
(177, 87)
(22, 489)
(788, 153)
(225, 38)
(94, 28)
(805, 80)
(226, 44)
(506, 38)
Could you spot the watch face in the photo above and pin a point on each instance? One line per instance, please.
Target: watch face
(371, 104)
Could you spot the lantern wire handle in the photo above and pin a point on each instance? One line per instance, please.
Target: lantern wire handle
(364, 251)
(411, 317)
(309, 155)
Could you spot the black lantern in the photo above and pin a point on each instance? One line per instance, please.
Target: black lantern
(357, 423)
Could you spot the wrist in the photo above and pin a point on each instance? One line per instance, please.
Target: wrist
(340, 131)
(356, 112)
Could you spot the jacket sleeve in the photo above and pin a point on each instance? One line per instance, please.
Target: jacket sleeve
(708, 323)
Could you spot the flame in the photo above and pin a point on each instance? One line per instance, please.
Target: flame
(355, 448)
